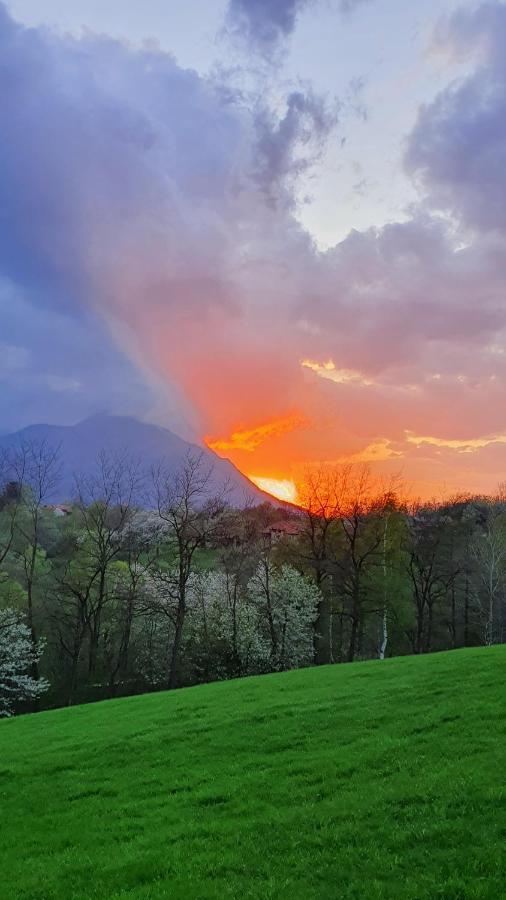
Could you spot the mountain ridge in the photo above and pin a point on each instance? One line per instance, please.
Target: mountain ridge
(80, 445)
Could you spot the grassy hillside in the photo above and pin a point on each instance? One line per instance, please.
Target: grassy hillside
(368, 780)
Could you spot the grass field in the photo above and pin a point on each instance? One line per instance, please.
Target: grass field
(380, 779)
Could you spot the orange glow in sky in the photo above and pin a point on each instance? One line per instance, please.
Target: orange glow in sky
(250, 438)
(275, 455)
(282, 488)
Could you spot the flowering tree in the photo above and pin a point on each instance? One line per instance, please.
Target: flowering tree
(17, 657)
(223, 626)
(287, 604)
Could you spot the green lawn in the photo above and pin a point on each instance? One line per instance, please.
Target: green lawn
(381, 779)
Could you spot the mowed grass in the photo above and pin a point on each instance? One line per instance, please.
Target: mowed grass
(371, 780)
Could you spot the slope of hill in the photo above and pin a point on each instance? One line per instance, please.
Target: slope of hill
(372, 780)
(80, 445)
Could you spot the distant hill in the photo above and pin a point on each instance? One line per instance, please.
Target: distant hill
(81, 444)
(374, 780)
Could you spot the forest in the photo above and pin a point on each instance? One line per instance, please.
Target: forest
(145, 580)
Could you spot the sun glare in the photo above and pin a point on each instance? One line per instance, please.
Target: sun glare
(282, 488)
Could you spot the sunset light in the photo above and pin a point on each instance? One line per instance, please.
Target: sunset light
(281, 488)
(250, 438)
(340, 376)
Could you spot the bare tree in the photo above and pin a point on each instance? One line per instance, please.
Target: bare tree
(317, 548)
(387, 510)
(489, 553)
(9, 502)
(104, 506)
(429, 568)
(384, 612)
(361, 518)
(239, 560)
(37, 468)
(140, 551)
(344, 537)
(190, 513)
(105, 501)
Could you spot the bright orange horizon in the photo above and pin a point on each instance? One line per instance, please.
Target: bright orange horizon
(275, 455)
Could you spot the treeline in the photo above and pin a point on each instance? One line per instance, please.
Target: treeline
(147, 580)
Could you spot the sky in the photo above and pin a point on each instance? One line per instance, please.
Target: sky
(277, 227)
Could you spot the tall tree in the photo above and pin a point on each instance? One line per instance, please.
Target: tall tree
(431, 569)
(489, 553)
(139, 554)
(360, 511)
(316, 549)
(190, 512)
(85, 579)
(10, 499)
(37, 468)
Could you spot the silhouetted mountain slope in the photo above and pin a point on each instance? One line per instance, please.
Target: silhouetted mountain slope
(81, 445)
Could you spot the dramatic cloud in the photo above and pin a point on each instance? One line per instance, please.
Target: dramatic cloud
(264, 23)
(306, 125)
(458, 147)
(145, 205)
(150, 193)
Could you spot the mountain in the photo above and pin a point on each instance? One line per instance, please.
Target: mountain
(81, 444)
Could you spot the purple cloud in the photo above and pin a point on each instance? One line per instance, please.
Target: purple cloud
(264, 23)
(306, 125)
(458, 147)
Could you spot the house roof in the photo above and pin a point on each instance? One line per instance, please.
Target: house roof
(284, 527)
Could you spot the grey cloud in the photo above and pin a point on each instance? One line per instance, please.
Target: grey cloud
(290, 145)
(264, 23)
(458, 148)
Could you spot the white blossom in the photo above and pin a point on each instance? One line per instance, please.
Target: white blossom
(17, 655)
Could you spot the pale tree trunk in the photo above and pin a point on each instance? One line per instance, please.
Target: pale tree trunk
(331, 636)
(384, 636)
(489, 628)
(384, 623)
